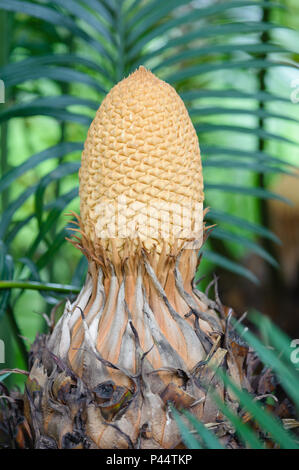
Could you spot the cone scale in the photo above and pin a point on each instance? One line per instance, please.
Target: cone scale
(136, 336)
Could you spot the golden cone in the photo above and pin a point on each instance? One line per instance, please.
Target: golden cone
(140, 334)
(142, 149)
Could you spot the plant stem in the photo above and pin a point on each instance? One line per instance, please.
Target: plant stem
(33, 285)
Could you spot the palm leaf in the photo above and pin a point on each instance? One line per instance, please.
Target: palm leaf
(203, 33)
(242, 223)
(48, 14)
(187, 437)
(229, 265)
(217, 49)
(56, 151)
(286, 372)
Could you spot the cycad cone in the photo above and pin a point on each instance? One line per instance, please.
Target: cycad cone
(141, 156)
(137, 331)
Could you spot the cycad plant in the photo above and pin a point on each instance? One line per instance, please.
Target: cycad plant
(135, 336)
(140, 335)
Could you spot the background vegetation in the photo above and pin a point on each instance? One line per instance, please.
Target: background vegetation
(233, 63)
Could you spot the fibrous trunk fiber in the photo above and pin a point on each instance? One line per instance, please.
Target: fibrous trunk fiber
(138, 337)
